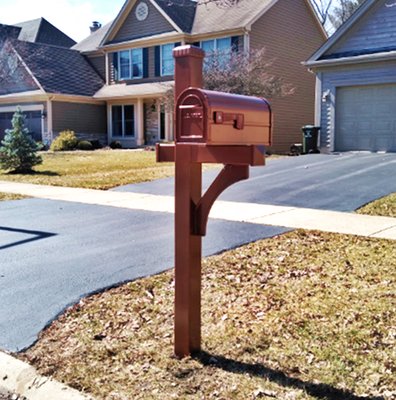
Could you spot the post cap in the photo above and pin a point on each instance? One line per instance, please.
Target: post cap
(188, 50)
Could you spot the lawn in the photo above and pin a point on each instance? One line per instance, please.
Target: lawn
(305, 315)
(385, 207)
(10, 196)
(101, 169)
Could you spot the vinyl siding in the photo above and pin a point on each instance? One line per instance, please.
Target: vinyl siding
(348, 76)
(154, 24)
(99, 63)
(290, 35)
(83, 119)
(375, 31)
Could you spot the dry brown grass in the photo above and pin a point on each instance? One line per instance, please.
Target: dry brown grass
(305, 315)
(10, 196)
(385, 207)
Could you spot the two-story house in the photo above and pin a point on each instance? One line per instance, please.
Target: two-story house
(132, 56)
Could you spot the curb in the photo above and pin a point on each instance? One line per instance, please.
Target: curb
(18, 377)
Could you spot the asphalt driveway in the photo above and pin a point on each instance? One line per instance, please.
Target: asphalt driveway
(53, 253)
(339, 182)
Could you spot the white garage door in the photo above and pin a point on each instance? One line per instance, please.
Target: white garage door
(366, 118)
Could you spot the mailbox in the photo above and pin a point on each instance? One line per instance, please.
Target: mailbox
(205, 116)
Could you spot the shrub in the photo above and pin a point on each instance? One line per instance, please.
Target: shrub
(85, 145)
(18, 152)
(115, 144)
(65, 141)
(96, 144)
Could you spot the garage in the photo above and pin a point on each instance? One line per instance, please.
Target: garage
(366, 118)
(33, 123)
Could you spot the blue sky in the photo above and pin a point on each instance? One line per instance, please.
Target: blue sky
(73, 17)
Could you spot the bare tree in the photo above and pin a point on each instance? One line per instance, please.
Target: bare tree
(322, 8)
(246, 73)
(343, 11)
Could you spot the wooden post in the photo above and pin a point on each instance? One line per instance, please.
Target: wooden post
(188, 247)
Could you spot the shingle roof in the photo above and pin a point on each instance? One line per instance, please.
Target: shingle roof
(210, 17)
(93, 41)
(182, 12)
(41, 31)
(58, 69)
(9, 31)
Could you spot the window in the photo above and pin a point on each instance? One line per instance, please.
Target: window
(167, 61)
(131, 64)
(222, 46)
(123, 121)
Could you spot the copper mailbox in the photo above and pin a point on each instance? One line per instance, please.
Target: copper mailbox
(205, 116)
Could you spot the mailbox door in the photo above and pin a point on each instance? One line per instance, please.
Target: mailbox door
(191, 118)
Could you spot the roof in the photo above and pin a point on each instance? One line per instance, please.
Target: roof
(58, 69)
(319, 55)
(212, 18)
(41, 31)
(138, 90)
(192, 17)
(181, 13)
(9, 31)
(93, 41)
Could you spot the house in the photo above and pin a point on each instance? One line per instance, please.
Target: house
(132, 55)
(356, 82)
(50, 82)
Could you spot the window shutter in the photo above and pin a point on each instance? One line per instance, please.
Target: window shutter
(235, 43)
(157, 60)
(115, 66)
(145, 63)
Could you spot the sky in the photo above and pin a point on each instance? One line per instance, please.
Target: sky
(73, 17)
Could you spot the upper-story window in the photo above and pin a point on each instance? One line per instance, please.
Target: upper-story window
(223, 44)
(167, 60)
(222, 47)
(130, 64)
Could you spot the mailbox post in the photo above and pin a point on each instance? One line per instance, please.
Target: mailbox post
(211, 127)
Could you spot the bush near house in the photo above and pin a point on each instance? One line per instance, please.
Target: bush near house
(18, 153)
(85, 145)
(66, 140)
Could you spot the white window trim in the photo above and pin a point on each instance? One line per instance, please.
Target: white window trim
(130, 76)
(123, 136)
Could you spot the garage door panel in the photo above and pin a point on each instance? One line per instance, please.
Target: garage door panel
(366, 118)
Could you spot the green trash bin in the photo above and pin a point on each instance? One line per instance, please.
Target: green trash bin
(310, 139)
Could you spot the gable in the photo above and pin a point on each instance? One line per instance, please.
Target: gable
(155, 23)
(373, 33)
(14, 77)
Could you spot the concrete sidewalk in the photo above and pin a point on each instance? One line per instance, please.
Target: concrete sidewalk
(288, 217)
(21, 380)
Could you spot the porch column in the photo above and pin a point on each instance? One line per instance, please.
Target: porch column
(140, 123)
(50, 128)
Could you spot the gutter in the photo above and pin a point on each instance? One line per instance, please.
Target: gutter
(386, 56)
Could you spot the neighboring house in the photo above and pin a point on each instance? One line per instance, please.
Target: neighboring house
(356, 82)
(51, 83)
(133, 57)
